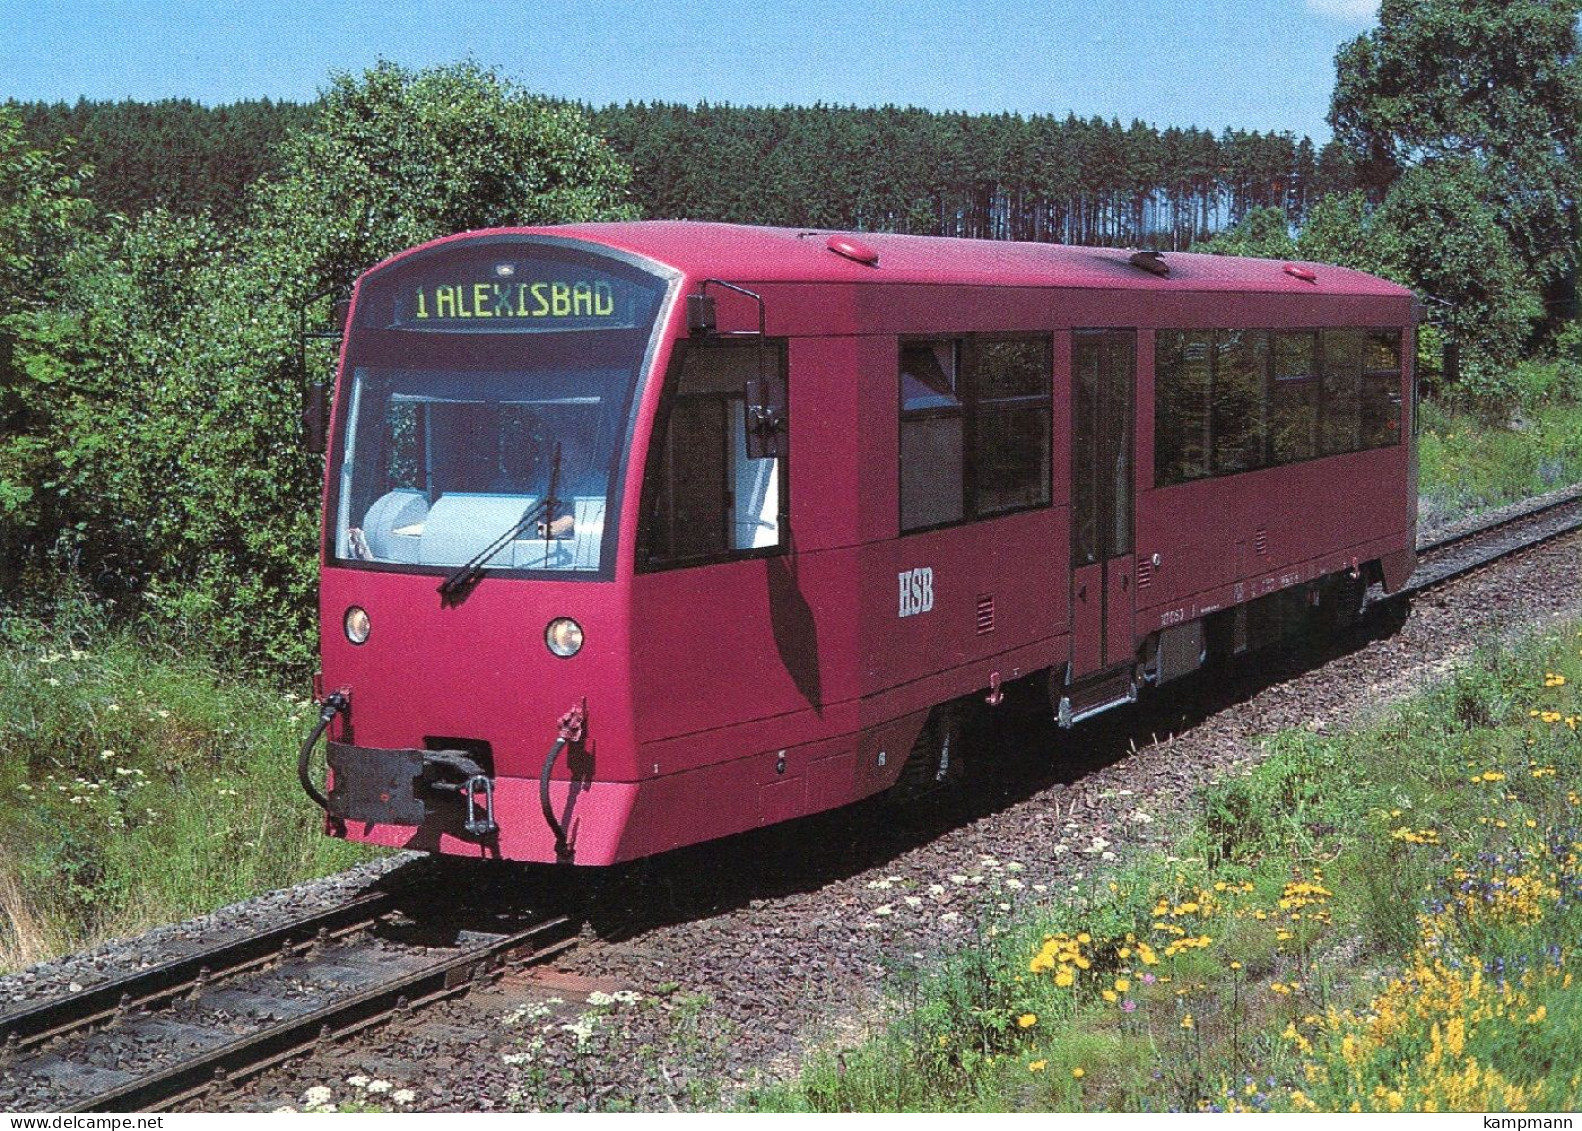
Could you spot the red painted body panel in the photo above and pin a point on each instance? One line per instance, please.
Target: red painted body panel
(727, 696)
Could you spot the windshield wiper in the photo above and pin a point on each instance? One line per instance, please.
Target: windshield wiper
(458, 583)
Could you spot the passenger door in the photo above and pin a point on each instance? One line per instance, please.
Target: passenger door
(1103, 368)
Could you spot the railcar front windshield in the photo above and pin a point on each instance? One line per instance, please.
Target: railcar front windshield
(483, 386)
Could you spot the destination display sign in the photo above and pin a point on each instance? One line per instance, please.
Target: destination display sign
(518, 297)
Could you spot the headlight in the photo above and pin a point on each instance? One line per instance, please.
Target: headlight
(357, 624)
(564, 637)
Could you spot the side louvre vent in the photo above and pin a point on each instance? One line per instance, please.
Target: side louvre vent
(985, 615)
(1260, 542)
(1145, 572)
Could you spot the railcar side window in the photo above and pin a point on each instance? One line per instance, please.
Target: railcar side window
(933, 423)
(975, 429)
(1342, 390)
(1380, 408)
(1293, 399)
(1184, 383)
(1011, 432)
(1241, 357)
(1237, 400)
(704, 500)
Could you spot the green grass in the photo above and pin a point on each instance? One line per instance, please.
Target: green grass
(139, 786)
(1381, 920)
(1468, 464)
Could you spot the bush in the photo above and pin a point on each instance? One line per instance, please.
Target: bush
(177, 473)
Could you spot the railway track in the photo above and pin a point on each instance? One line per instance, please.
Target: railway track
(164, 1036)
(1443, 559)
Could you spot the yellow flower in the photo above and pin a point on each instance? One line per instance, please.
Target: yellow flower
(1235, 965)
(1187, 1022)
(1078, 1073)
(1111, 996)
(1123, 984)
(1064, 977)
(1038, 1066)
(1027, 1020)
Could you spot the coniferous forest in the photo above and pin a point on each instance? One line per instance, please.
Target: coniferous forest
(1004, 176)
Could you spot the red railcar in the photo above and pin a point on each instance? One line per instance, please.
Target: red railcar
(638, 535)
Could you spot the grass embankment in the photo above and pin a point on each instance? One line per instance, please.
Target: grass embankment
(138, 786)
(1468, 465)
(1386, 920)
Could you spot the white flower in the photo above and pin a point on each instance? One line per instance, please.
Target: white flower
(1015, 866)
(379, 1087)
(106, 755)
(1013, 883)
(316, 1097)
(516, 1058)
(878, 885)
(936, 889)
(1040, 888)
(912, 901)
(1059, 849)
(988, 862)
(600, 998)
(627, 997)
(1107, 856)
(885, 910)
(958, 879)
(1141, 818)
(949, 917)
(403, 1095)
(357, 1081)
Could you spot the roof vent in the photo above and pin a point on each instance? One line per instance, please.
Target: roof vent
(1306, 274)
(853, 249)
(1151, 261)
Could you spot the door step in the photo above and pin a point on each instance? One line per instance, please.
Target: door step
(1095, 695)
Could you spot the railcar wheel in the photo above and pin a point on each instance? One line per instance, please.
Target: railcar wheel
(936, 758)
(1341, 602)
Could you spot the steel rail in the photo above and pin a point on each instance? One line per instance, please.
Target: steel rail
(253, 1053)
(1459, 555)
(58, 1017)
(1570, 496)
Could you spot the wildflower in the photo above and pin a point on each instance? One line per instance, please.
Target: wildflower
(1128, 1006)
(1027, 1020)
(379, 1087)
(403, 1095)
(1078, 1073)
(1235, 965)
(1037, 1065)
(357, 1081)
(1064, 977)
(1188, 1023)
(316, 1097)
(1123, 984)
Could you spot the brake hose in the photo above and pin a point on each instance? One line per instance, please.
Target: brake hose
(571, 725)
(561, 849)
(333, 705)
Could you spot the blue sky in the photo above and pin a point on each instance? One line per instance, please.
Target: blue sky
(1255, 64)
